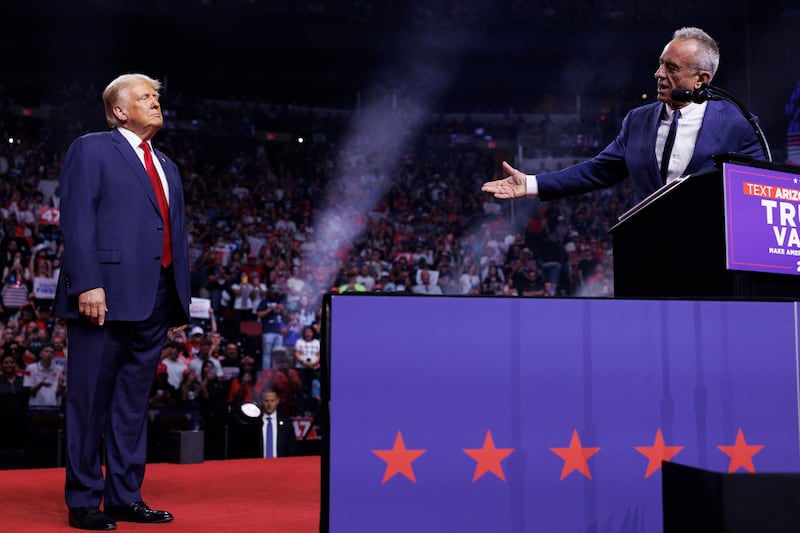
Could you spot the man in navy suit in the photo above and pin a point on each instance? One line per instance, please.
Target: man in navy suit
(124, 282)
(253, 438)
(281, 440)
(713, 127)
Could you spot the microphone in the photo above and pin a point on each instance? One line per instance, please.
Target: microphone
(710, 92)
(697, 96)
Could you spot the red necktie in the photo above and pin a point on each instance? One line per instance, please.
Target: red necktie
(166, 253)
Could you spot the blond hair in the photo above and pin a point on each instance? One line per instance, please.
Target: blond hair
(111, 93)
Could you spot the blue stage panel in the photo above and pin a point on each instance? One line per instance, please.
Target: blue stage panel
(446, 374)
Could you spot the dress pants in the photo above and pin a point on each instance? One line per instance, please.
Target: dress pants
(110, 371)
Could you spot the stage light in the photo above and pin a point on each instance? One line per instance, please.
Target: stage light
(249, 412)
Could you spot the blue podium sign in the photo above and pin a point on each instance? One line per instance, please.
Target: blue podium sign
(762, 215)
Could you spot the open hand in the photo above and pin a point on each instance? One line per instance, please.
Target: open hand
(512, 186)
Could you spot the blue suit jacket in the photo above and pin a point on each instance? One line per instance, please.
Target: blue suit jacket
(113, 230)
(633, 153)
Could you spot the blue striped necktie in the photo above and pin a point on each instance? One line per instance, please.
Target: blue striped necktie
(268, 444)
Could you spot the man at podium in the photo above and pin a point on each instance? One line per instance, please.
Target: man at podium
(657, 142)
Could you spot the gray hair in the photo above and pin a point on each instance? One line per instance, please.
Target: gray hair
(708, 49)
(111, 93)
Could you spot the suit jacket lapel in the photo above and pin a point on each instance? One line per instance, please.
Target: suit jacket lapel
(708, 138)
(127, 152)
(651, 128)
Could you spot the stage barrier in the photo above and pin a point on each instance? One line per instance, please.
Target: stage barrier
(510, 414)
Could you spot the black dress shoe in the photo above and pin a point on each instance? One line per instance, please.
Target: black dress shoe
(137, 512)
(90, 518)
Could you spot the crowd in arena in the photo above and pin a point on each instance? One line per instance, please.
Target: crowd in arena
(274, 224)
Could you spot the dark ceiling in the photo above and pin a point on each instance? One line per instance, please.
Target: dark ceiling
(480, 54)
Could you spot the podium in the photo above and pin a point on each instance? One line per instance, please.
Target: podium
(674, 244)
(700, 500)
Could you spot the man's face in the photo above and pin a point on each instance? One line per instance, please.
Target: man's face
(9, 366)
(205, 348)
(231, 352)
(279, 360)
(139, 110)
(269, 402)
(46, 355)
(677, 69)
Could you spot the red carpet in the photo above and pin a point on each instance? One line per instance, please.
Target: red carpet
(249, 495)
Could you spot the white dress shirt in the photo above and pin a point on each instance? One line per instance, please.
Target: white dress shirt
(135, 142)
(685, 137)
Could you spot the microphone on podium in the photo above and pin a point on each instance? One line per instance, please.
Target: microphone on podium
(697, 96)
(710, 92)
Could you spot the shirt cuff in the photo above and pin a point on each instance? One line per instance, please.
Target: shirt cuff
(531, 185)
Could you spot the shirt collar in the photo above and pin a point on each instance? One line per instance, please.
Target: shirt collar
(688, 111)
(132, 138)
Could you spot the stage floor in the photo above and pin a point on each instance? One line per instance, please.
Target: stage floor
(250, 495)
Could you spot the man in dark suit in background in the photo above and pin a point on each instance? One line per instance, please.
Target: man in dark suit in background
(281, 440)
(689, 60)
(124, 281)
(254, 438)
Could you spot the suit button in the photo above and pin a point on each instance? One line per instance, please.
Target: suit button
(157, 258)
(160, 228)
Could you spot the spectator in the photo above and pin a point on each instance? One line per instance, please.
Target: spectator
(230, 360)
(295, 287)
(426, 286)
(244, 292)
(469, 281)
(203, 357)
(16, 284)
(213, 392)
(307, 358)
(365, 277)
(45, 380)
(174, 367)
(243, 384)
(193, 344)
(163, 394)
(352, 284)
(14, 397)
(270, 311)
(306, 314)
(282, 379)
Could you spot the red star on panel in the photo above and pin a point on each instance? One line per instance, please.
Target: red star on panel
(575, 456)
(656, 453)
(741, 454)
(488, 458)
(398, 459)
